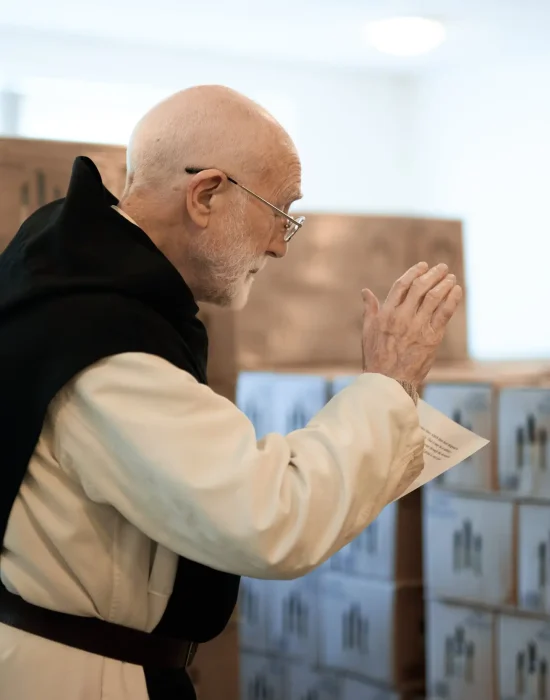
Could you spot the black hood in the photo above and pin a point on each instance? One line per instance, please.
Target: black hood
(80, 244)
(80, 283)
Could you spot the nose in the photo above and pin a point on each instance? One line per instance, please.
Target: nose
(277, 248)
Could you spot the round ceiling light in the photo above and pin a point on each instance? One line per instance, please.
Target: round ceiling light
(405, 36)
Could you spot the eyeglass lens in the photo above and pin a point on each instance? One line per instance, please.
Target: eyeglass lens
(293, 228)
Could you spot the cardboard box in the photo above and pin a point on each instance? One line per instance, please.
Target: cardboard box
(460, 653)
(318, 315)
(293, 619)
(256, 399)
(500, 374)
(252, 610)
(33, 173)
(14, 207)
(523, 658)
(390, 548)
(222, 354)
(440, 241)
(468, 392)
(360, 690)
(339, 383)
(262, 678)
(524, 451)
(472, 406)
(373, 629)
(225, 388)
(469, 547)
(308, 683)
(298, 398)
(280, 403)
(533, 557)
(215, 670)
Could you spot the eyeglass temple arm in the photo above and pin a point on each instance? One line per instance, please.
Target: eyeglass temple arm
(196, 171)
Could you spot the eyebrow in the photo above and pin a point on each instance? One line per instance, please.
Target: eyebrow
(292, 196)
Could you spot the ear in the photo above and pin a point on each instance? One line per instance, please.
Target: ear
(200, 193)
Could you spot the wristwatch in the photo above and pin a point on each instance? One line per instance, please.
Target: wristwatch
(410, 389)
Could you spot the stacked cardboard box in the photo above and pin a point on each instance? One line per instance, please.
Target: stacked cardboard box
(354, 628)
(34, 173)
(215, 670)
(278, 620)
(306, 312)
(487, 538)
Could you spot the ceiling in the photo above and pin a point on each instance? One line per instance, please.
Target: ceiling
(322, 31)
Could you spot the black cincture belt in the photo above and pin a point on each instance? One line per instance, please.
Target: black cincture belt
(95, 636)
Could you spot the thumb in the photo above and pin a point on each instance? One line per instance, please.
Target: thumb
(372, 305)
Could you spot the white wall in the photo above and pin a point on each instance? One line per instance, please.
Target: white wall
(347, 124)
(482, 143)
(468, 145)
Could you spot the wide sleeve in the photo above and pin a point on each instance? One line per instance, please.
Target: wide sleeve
(182, 464)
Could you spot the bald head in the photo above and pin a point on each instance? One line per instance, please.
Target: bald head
(206, 126)
(208, 227)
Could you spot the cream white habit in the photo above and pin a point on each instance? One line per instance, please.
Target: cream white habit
(135, 452)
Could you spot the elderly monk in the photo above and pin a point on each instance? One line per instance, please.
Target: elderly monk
(134, 497)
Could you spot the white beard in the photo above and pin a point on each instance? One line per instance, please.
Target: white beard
(227, 279)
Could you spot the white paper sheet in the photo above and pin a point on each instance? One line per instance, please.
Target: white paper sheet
(447, 444)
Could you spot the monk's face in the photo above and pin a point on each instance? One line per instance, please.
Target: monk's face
(244, 232)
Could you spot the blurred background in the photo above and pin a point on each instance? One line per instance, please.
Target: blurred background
(460, 131)
(424, 132)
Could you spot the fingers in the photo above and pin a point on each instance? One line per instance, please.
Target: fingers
(436, 295)
(401, 287)
(372, 305)
(446, 308)
(422, 285)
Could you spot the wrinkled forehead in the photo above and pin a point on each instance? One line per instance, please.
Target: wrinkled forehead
(283, 174)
